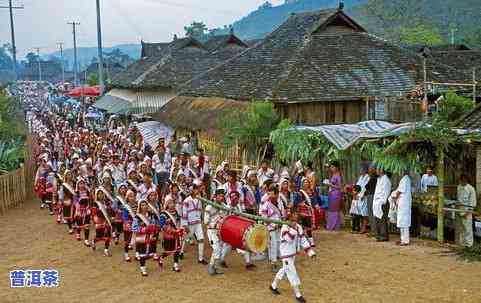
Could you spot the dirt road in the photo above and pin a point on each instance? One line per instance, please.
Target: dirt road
(349, 268)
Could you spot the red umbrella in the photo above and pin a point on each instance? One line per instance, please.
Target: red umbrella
(88, 91)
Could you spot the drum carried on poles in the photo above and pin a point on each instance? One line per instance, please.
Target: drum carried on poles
(245, 234)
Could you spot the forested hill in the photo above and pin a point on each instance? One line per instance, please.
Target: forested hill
(382, 17)
(266, 18)
(405, 21)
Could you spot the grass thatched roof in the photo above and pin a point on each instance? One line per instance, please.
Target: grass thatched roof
(198, 113)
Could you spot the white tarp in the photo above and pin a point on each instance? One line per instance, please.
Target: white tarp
(152, 131)
(345, 135)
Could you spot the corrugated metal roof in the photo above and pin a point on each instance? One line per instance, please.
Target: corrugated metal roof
(113, 105)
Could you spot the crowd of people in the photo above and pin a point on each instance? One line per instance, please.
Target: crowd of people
(110, 187)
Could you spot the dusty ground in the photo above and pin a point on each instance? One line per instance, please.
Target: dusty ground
(349, 268)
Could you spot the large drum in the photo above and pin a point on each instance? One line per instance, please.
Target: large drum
(245, 234)
(141, 238)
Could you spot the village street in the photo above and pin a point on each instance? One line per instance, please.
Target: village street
(360, 269)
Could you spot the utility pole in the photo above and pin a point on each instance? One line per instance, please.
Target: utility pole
(453, 31)
(60, 44)
(12, 29)
(75, 65)
(99, 46)
(39, 64)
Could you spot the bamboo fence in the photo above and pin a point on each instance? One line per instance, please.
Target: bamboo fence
(16, 187)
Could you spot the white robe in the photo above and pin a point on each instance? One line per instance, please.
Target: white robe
(404, 203)
(381, 194)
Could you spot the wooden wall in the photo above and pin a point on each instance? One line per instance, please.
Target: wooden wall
(338, 112)
(324, 112)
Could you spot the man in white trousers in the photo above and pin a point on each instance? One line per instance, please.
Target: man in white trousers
(191, 220)
(212, 217)
(273, 209)
(293, 240)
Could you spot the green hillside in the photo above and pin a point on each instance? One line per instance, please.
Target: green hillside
(387, 18)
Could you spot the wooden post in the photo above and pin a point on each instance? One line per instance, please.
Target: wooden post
(474, 85)
(478, 169)
(367, 108)
(440, 171)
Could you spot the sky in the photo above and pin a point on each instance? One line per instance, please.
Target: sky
(43, 23)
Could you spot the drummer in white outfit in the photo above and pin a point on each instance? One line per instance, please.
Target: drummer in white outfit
(293, 240)
(212, 217)
(191, 219)
(273, 208)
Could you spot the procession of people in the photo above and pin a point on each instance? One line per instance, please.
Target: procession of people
(111, 188)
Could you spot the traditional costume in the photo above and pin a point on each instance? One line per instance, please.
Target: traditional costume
(102, 221)
(305, 210)
(212, 217)
(128, 215)
(172, 238)
(273, 209)
(144, 228)
(191, 219)
(67, 196)
(82, 211)
(293, 241)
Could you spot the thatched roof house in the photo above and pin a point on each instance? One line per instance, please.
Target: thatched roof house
(320, 67)
(464, 60)
(197, 113)
(164, 67)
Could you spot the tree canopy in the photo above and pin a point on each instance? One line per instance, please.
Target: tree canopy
(6, 61)
(195, 29)
(420, 34)
(31, 57)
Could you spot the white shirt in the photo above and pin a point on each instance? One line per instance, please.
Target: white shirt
(293, 240)
(467, 195)
(362, 182)
(212, 215)
(381, 194)
(161, 166)
(263, 176)
(428, 180)
(191, 211)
